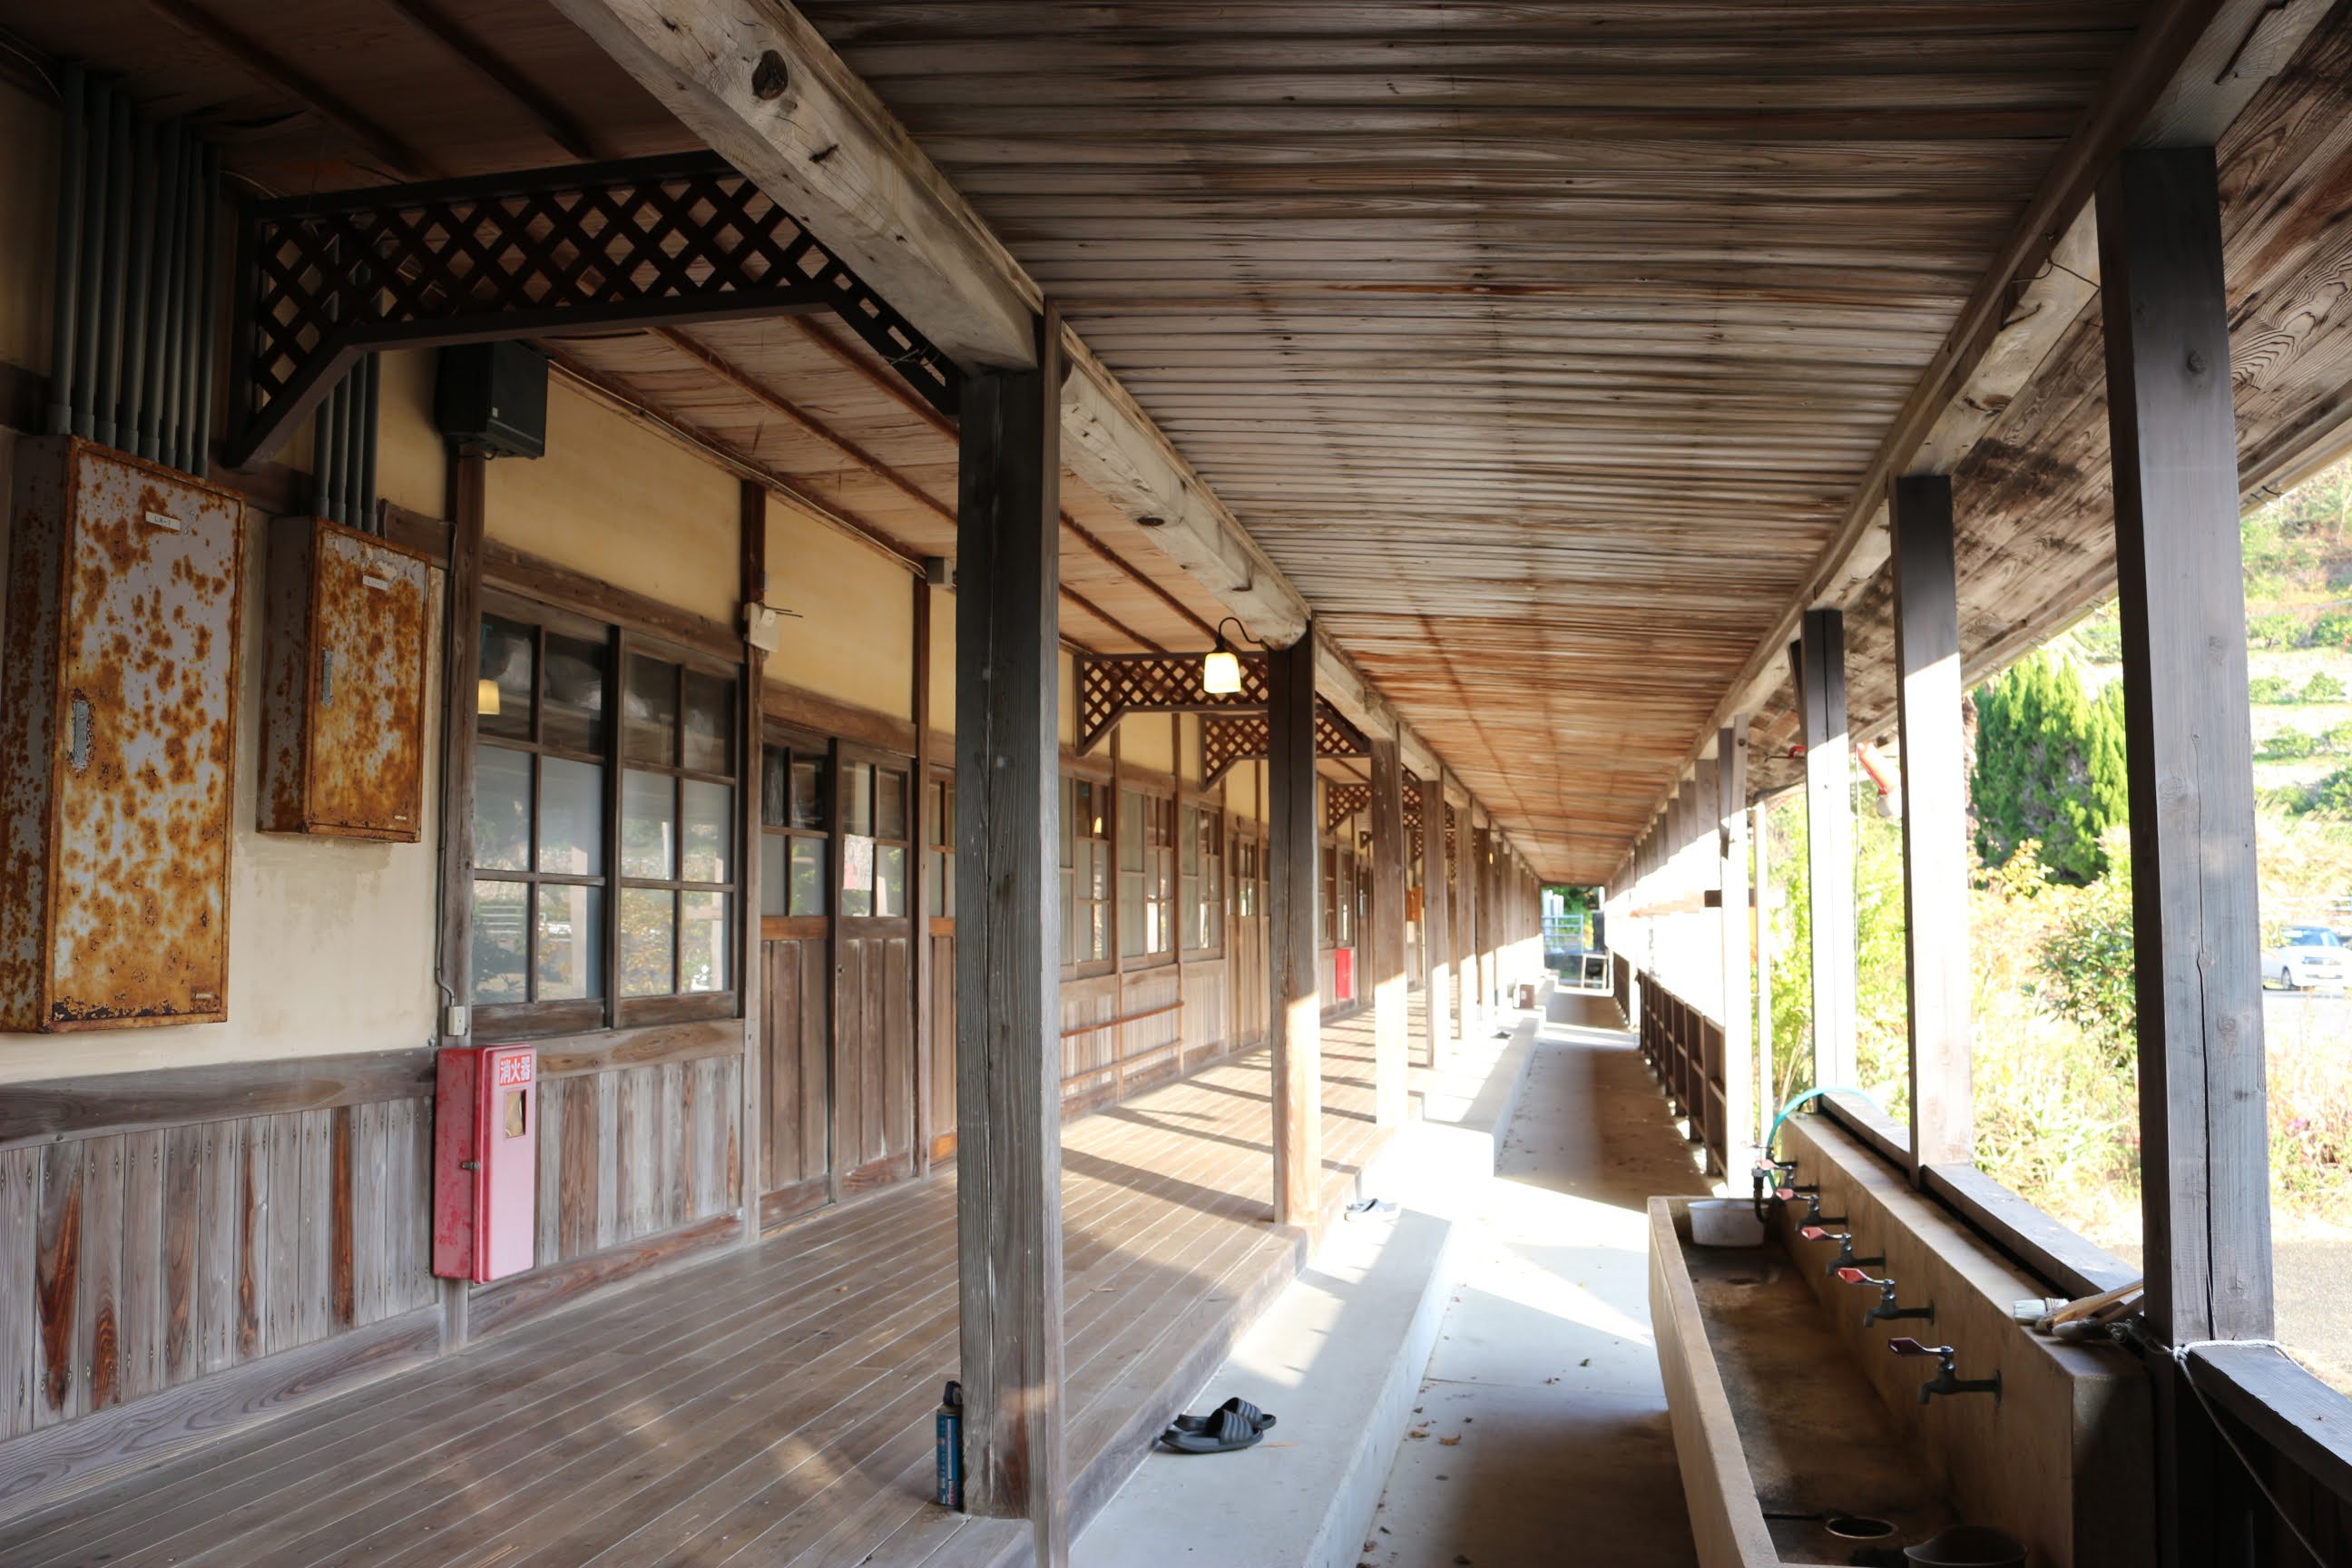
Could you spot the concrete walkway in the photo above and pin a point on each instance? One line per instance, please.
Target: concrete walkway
(1540, 1434)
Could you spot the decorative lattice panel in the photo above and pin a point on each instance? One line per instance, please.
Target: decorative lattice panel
(1113, 685)
(1230, 738)
(1342, 801)
(323, 278)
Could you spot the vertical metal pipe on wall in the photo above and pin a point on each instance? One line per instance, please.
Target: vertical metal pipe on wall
(64, 339)
(372, 406)
(98, 123)
(326, 440)
(131, 432)
(208, 240)
(119, 170)
(162, 312)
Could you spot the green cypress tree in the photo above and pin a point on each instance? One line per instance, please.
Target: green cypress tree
(2050, 766)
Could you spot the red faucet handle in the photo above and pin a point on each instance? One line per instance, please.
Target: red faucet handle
(1912, 1347)
(1814, 1233)
(1856, 1277)
(1786, 1195)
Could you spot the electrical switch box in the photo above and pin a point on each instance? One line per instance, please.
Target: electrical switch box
(485, 1163)
(342, 693)
(118, 718)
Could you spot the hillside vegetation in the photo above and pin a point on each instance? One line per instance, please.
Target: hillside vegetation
(2056, 1090)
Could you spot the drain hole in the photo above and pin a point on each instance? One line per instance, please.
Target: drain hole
(1857, 1527)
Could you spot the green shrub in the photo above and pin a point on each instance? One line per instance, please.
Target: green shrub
(2323, 688)
(2274, 629)
(2267, 689)
(2291, 743)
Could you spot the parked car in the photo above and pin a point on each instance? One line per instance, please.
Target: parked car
(2307, 958)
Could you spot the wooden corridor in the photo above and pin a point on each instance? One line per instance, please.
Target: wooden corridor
(771, 1406)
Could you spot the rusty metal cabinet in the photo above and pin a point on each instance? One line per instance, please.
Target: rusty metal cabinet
(342, 691)
(118, 707)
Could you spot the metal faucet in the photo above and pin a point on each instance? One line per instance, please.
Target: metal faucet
(1944, 1382)
(1886, 1309)
(1812, 1196)
(1846, 1257)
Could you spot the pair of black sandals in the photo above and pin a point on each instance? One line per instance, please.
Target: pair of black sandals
(1236, 1424)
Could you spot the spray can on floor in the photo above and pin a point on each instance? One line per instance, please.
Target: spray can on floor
(948, 1422)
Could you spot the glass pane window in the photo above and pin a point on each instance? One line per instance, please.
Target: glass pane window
(808, 877)
(501, 944)
(708, 835)
(774, 887)
(648, 826)
(569, 928)
(1085, 910)
(547, 917)
(649, 941)
(502, 809)
(649, 712)
(708, 734)
(702, 942)
(503, 696)
(571, 704)
(571, 817)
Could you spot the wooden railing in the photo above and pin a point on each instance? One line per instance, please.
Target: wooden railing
(1684, 1047)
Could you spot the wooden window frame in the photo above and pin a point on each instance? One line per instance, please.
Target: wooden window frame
(1106, 963)
(1156, 877)
(846, 756)
(498, 1021)
(939, 874)
(796, 743)
(1208, 841)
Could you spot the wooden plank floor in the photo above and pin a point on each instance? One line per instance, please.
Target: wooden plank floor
(771, 1406)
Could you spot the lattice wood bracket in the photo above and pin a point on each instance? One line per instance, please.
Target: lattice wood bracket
(1111, 686)
(1342, 801)
(322, 280)
(1227, 739)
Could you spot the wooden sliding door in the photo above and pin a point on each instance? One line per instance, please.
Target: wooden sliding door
(874, 1036)
(797, 882)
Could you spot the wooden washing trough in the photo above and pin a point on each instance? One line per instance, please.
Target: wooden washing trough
(1781, 1439)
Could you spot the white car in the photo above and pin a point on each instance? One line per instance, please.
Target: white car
(2307, 958)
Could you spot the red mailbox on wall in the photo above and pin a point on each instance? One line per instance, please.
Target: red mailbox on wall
(1343, 973)
(485, 1167)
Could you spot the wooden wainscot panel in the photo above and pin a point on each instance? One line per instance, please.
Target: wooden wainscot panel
(123, 1103)
(2063, 1460)
(39, 1469)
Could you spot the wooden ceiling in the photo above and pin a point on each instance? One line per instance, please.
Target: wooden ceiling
(2034, 503)
(1542, 346)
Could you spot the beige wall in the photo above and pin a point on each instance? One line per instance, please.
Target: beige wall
(621, 503)
(1068, 668)
(411, 460)
(943, 659)
(850, 631)
(1145, 742)
(330, 941)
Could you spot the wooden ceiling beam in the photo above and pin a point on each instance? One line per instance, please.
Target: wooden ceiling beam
(555, 122)
(2189, 71)
(280, 75)
(759, 84)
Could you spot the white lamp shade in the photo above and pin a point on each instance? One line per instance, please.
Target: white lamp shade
(486, 698)
(1221, 673)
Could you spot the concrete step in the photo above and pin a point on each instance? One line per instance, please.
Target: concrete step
(1338, 1358)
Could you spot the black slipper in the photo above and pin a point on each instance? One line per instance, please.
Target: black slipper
(1236, 1424)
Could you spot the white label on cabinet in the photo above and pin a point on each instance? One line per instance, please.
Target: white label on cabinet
(163, 519)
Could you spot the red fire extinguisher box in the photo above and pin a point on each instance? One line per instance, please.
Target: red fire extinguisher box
(485, 1166)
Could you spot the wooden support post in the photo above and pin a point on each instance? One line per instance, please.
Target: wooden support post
(1759, 834)
(1386, 947)
(1732, 927)
(1436, 938)
(461, 694)
(918, 880)
(751, 527)
(2178, 572)
(1008, 948)
(1828, 828)
(1291, 893)
(1465, 923)
(1935, 820)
